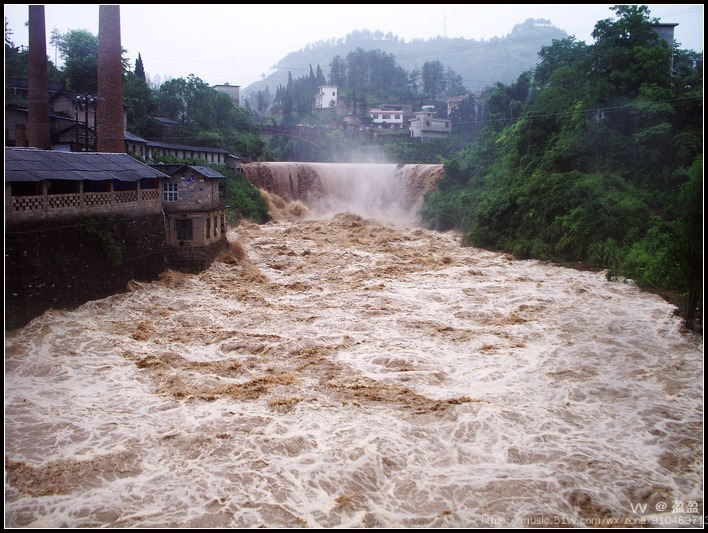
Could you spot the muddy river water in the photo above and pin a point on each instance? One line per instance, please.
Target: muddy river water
(339, 369)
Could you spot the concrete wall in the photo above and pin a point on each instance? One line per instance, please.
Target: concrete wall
(61, 264)
(195, 258)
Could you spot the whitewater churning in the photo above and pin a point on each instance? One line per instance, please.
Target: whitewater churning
(338, 372)
(387, 192)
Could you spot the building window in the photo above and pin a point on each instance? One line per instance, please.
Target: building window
(223, 224)
(208, 227)
(215, 226)
(398, 117)
(169, 192)
(183, 228)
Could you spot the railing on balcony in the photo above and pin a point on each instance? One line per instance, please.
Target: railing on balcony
(41, 206)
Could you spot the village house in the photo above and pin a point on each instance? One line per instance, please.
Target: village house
(232, 90)
(326, 98)
(72, 118)
(391, 116)
(195, 215)
(426, 127)
(166, 130)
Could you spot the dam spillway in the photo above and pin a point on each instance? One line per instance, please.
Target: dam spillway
(387, 192)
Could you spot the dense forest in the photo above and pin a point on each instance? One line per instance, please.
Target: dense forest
(591, 158)
(594, 157)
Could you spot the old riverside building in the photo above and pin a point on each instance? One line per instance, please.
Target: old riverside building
(80, 225)
(83, 217)
(195, 215)
(426, 127)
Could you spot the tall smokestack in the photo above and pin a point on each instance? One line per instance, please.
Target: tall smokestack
(38, 134)
(109, 109)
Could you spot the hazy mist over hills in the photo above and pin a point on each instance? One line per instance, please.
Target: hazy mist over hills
(480, 63)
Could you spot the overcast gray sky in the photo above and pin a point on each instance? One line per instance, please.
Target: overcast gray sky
(238, 43)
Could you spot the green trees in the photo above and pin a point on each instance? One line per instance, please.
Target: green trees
(243, 199)
(79, 49)
(16, 60)
(209, 118)
(595, 156)
(140, 101)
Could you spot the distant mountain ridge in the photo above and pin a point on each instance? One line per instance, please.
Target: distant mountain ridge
(480, 63)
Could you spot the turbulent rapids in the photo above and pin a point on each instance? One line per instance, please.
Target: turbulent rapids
(338, 369)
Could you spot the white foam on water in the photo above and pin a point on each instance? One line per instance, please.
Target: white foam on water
(350, 373)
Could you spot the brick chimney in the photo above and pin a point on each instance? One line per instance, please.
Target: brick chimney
(109, 109)
(39, 128)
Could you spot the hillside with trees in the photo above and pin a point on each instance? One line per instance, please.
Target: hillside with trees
(365, 79)
(593, 157)
(480, 63)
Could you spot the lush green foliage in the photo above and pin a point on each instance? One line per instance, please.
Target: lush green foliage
(16, 61)
(594, 157)
(79, 48)
(243, 200)
(209, 118)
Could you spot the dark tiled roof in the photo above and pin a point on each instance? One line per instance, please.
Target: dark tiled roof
(167, 168)
(171, 146)
(132, 137)
(52, 114)
(205, 171)
(30, 164)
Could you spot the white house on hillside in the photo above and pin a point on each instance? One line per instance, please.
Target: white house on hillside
(327, 97)
(390, 115)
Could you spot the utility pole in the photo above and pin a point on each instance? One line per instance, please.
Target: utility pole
(85, 101)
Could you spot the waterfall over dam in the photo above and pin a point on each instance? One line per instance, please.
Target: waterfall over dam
(387, 192)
